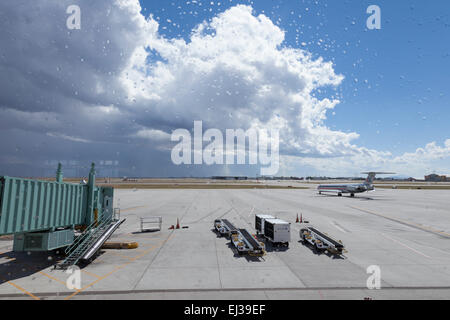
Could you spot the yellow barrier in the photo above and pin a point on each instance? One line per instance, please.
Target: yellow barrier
(120, 245)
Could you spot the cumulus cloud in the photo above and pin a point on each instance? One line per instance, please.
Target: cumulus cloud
(152, 134)
(432, 158)
(234, 72)
(117, 88)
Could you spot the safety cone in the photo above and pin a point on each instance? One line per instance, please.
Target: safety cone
(171, 227)
(301, 218)
(297, 221)
(178, 223)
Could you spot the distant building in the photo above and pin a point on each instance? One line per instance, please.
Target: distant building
(228, 178)
(436, 178)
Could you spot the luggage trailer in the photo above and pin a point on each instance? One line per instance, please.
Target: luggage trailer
(321, 242)
(259, 222)
(245, 243)
(278, 232)
(224, 227)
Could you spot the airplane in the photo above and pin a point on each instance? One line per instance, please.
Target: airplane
(352, 188)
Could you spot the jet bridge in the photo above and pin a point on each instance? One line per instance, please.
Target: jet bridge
(47, 215)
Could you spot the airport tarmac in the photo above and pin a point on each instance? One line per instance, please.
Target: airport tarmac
(406, 233)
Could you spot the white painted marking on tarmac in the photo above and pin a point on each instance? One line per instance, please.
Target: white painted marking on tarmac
(406, 246)
(253, 208)
(338, 227)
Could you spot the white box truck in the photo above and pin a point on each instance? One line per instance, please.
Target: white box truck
(259, 222)
(277, 231)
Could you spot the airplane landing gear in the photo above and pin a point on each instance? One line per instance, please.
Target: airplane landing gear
(352, 195)
(339, 194)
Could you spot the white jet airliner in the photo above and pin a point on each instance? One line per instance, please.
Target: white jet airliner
(351, 188)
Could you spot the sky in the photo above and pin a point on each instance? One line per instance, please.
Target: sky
(344, 98)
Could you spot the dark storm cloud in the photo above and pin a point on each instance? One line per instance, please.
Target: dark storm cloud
(97, 93)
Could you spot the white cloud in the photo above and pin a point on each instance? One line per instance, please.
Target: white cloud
(432, 158)
(66, 137)
(117, 80)
(235, 73)
(151, 134)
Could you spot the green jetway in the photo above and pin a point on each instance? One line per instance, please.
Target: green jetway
(43, 215)
(33, 205)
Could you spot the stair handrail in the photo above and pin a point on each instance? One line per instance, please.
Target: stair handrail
(86, 237)
(82, 237)
(90, 233)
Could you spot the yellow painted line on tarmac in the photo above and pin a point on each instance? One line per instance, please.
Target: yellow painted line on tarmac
(119, 255)
(91, 274)
(23, 290)
(133, 208)
(117, 268)
(144, 253)
(52, 278)
(57, 280)
(142, 250)
(411, 224)
(98, 280)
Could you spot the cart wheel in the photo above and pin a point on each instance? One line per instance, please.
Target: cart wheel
(316, 249)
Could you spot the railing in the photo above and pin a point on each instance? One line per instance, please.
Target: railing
(83, 242)
(151, 224)
(116, 214)
(79, 238)
(86, 234)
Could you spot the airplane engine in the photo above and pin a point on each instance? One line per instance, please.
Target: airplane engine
(361, 189)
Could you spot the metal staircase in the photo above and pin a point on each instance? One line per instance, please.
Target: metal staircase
(85, 242)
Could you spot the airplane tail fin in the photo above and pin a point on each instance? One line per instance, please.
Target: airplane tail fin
(371, 176)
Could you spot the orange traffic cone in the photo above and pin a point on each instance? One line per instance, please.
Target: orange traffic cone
(301, 218)
(171, 227)
(178, 224)
(297, 221)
